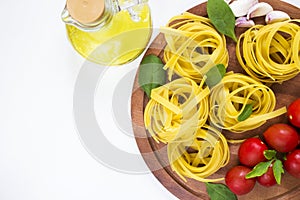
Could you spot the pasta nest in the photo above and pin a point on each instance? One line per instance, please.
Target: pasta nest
(270, 53)
(193, 46)
(230, 97)
(176, 110)
(201, 156)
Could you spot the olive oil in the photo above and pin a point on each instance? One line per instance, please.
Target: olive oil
(117, 42)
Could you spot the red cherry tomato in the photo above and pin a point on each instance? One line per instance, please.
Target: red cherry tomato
(281, 137)
(294, 113)
(236, 181)
(292, 163)
(251, 152)
(267, 179)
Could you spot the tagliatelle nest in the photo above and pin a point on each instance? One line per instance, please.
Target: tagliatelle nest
(270, 53)
(176, 110)
(193, 46)
(229, 99)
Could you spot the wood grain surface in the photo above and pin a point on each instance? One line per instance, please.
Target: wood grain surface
(155, 155)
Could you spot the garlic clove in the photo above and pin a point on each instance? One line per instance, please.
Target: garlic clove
(276, 16)
(241, 7)
(244, 22)
(259, 9)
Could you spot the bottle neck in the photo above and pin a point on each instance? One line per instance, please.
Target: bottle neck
(129, 6)
(92, 15)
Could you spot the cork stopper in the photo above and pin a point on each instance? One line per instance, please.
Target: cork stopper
(85, 11)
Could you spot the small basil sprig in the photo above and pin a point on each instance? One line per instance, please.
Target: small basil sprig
(259, 169)
(222, 17)
(278, 170)
(219, 192)
(246, 113)
(151, 73)
(215, 75)
(262, 167)
(270, 154)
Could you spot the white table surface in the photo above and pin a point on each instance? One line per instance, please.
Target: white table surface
(41, 155)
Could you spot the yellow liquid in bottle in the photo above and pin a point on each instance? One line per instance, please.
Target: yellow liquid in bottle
(118, 42)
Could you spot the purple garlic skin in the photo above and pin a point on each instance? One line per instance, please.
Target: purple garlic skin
(244, 22)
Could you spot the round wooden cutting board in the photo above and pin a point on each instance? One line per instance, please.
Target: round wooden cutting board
(155, 156)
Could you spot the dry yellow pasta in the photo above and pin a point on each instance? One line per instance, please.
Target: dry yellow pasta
(229, 98)
(176, 109)
(177, 113)
(200, 156)
(271, 53)
(193, 46)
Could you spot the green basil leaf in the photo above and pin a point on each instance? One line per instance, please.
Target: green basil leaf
(278, 170)
(246, 113)
(259, 169)
(219, 192)
(151, 73)
(222, 17)
(215, 75)
(270, 154)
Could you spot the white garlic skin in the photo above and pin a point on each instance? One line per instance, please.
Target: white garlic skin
(276, 16)
(241, 7)
(259, 9)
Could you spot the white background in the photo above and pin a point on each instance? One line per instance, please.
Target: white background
(41, 156)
